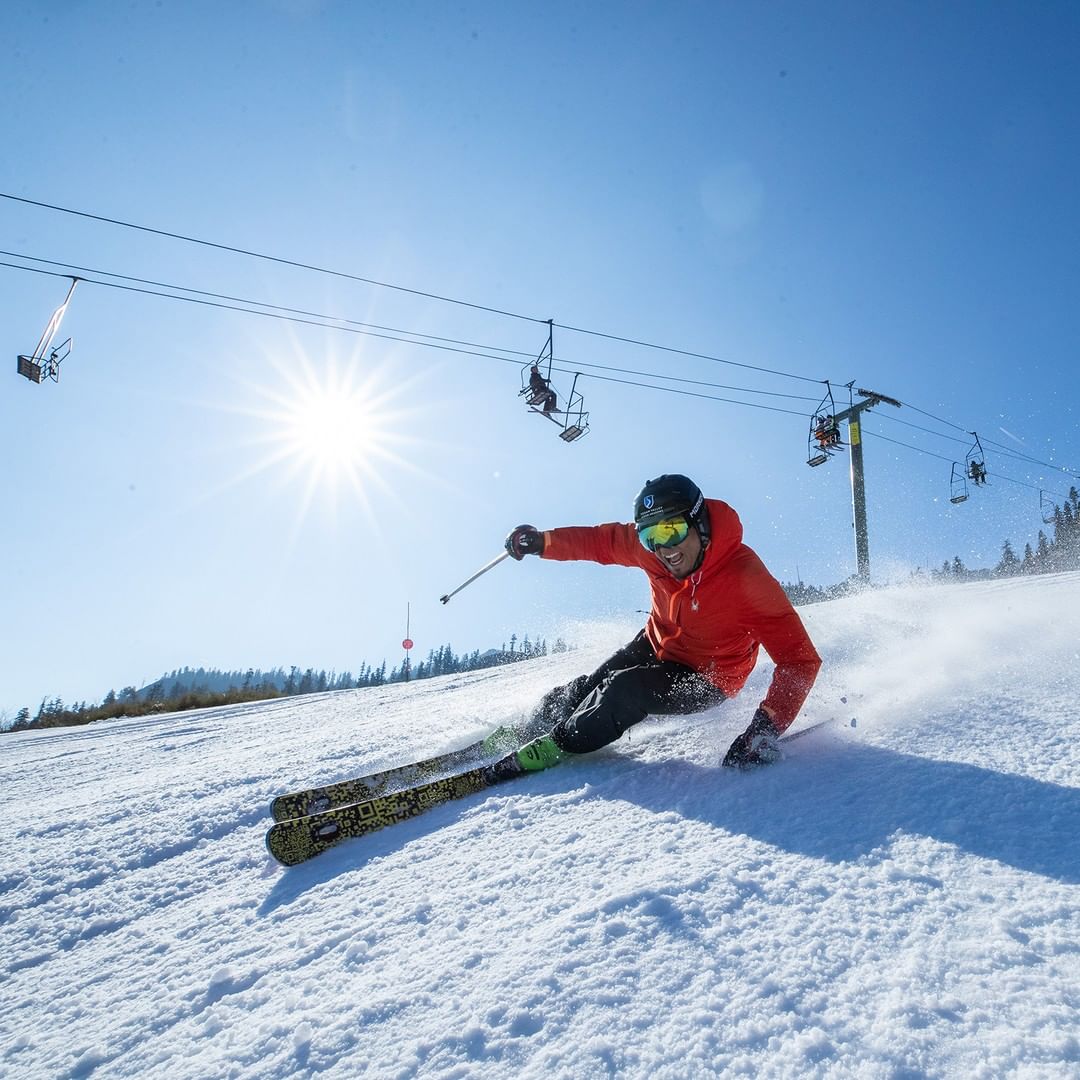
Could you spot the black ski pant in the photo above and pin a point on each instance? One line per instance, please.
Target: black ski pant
(594, 710)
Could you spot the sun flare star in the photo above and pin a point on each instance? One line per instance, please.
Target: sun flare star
(337, 427)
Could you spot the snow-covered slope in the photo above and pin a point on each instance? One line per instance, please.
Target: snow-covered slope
(897, 899)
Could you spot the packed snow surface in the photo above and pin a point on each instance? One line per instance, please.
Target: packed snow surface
(896, 899)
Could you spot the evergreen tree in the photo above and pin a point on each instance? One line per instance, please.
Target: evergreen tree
(1042, 554)
(1009, 564)
(1028, 565)
(1067, 542)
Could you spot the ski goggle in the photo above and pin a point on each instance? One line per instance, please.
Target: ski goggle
(665, 533)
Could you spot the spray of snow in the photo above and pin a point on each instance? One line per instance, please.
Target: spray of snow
(897, 899)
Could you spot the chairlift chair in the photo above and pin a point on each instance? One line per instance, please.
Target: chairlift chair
(576, 423)
(975, 462)
(44, 362)
(536, 384)
(1048, 509)
(824, 438)
(29, 368)
(958, 489)
(542, 398)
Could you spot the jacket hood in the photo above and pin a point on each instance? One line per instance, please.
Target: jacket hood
(726, 534)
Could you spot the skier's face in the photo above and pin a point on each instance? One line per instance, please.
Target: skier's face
(681, 559)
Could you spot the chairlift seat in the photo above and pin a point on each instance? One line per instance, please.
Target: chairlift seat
(817, 459)
(31, 369)
(572, 432)
(958, 499)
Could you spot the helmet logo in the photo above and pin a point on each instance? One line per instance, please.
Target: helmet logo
(648, 502)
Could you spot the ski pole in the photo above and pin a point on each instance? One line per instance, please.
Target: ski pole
(483, 570)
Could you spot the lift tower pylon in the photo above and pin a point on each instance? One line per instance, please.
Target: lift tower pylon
(853, 416)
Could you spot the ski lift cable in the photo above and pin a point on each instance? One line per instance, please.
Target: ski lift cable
(906, 446)
(926, 430)
(1006, 451)
(268, 258)
(694, 394)
(281, 316)
(675, 378)
(389, 337)
(451, 300)
(434, 296)
(296, 264)
(999, 447)
(939, 419)
(940, 457)
(246, 300)
(432, 344)
(331, 321)
(686, 352)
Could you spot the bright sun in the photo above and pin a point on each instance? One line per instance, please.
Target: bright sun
(332, 429)
(336, 428)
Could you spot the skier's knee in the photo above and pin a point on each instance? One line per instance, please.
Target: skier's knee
(602, 718)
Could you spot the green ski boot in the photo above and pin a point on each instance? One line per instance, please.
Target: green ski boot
(540, 754)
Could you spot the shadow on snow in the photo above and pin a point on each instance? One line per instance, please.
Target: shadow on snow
(846, 800)
(839, 802)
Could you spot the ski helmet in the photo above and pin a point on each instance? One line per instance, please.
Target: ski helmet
(669, 496)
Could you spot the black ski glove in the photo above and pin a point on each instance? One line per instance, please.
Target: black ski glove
(757, 745)
(525, 540)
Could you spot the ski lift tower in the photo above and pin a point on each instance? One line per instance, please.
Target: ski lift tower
(858, 481)
(853, 416)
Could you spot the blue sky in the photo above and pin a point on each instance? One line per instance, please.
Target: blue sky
(832, 191)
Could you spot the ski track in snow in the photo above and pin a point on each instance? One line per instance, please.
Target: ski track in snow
(897, 900)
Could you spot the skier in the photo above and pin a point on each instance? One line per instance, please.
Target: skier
(713, 605)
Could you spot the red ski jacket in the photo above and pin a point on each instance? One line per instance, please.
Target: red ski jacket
(716, 619)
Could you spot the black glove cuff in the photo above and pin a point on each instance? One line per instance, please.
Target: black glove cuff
(761, 723)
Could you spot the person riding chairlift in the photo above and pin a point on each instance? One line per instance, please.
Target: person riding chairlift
(542, 394)
(826, 433)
